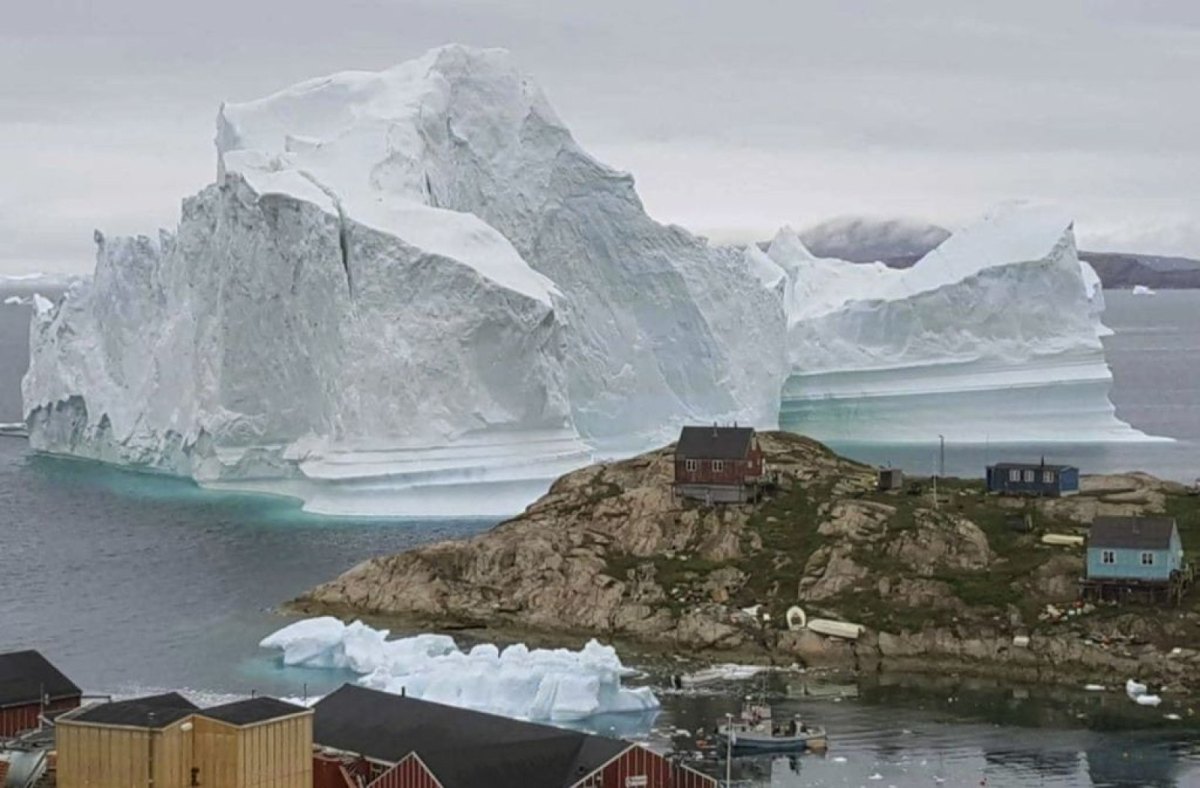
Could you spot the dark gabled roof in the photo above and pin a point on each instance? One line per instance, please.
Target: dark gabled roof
(1032, 466)
(26, 675)
(153, 711)
(1135, 533)
(715, 443)
(463, 748)
(252, 710)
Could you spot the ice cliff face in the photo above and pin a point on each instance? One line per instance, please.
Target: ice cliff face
(411, 292)
(992, 336)
(402, 286)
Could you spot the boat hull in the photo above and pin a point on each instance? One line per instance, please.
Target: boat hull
(762, 742)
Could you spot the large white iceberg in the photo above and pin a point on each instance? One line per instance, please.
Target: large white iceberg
(992, 336)
(411, 292)
(539, 684)
(408, 292)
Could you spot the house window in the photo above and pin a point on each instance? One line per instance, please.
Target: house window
(692, 465)
(718, 466)
(1029, 476)
(1108, 557)
(1014, 475)
(1147, 559)
(1048, 477)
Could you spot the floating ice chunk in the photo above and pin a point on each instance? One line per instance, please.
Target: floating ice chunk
(1142, 290)
(1148, 700)
(14, 301)
(1172, 717)
(1134, 688)
(538, 684)
(1094, 687)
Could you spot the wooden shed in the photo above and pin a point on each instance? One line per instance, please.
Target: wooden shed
(165, 741)
(116, 745)
(29, 687)
(409, 743)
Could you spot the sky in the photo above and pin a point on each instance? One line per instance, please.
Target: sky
(734, 117)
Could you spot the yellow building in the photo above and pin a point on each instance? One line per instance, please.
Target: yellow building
(165, 741)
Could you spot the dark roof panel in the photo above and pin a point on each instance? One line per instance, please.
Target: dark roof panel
(1032, 466)
(153, 711)
(26, 675)
(252, 710)
(463, 748)
(1134, 533)
(715, 443)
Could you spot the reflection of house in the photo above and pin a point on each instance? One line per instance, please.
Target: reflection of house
(165, 741)
(1126, 555)
(30, 687)
(1016, 478)
(399, 742)
(718, 464)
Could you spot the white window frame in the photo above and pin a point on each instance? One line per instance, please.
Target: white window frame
(1108, 557)
(1014, 474)
(1030, 476)
(1147, 559)
(718, 466)
(691, 465)
(1047, 477)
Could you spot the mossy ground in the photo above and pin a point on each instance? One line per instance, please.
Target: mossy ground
(786, 525)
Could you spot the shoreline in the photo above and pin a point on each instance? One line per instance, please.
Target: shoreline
(1061, 660)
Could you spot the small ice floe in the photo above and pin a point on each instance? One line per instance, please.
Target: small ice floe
(14, 301)
(1094, 687)
(727, 672)
(1148, 700)
(876, 776)
(1142, 290)
(1172, 717)
(839, 759)
(1134, 688)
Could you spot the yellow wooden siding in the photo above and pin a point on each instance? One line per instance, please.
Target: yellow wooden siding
(96, 756)
(273, 754)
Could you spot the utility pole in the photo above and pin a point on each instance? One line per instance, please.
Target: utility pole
(728, 750)
(941, 455)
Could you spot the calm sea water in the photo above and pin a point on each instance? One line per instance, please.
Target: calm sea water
(134, 583)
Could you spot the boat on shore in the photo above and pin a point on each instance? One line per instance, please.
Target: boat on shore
(757, 730)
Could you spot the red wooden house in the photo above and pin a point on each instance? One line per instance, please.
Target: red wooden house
(29, 687)
(399, 742)
(718, 464)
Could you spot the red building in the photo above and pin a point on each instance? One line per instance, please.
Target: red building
(29, 687)
(400, 742)
(718, 464)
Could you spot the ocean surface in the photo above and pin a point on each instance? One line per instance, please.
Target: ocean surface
(134, 583)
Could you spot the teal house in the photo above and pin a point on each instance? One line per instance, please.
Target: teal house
(1136, 550)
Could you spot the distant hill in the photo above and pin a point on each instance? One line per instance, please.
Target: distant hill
(901, 242)
(1120, 271)
(866, 240)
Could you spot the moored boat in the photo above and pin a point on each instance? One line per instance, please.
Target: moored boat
(756, 729)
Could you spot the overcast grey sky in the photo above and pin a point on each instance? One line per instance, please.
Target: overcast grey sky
(734, 117)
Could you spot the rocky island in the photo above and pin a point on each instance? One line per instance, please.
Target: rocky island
(962, 581)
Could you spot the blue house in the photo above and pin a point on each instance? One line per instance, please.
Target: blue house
(1136, 550)
(1016, 478)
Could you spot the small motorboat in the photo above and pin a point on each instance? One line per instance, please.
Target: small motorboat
(756, 729)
